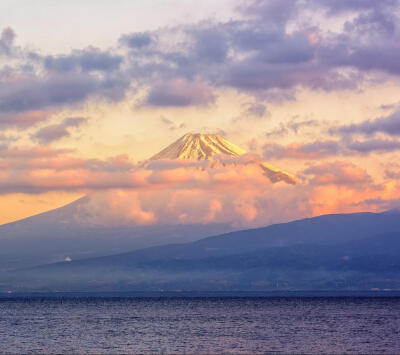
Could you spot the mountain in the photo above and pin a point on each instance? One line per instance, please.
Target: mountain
(78, 230)
(196, 146)
(66, 233)
(352, 251)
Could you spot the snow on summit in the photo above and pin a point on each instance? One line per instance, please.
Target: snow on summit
(197, 146)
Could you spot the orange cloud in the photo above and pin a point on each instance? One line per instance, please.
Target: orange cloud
(173, 192)
(338, 173)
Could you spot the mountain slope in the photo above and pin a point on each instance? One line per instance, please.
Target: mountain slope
(66, 233)
(356, 251)
(326, 230)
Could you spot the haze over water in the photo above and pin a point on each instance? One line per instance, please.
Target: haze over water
(200, 325)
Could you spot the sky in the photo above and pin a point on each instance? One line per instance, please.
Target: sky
(88, 90)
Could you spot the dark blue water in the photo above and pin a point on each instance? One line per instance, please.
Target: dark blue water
(200, 325)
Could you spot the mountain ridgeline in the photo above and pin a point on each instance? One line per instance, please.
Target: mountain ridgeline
(332, 252)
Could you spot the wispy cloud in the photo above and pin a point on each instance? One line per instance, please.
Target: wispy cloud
(51, 133)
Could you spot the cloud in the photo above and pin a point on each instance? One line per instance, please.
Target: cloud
(34, 93)
(341, 6)
(41, 169)
(33, 87)
(268, 51)
(25, 101)
(314, 150)
(55, 132)
(389, 125)
(74, 121)
(234, 191)
(211, 45)
(374, 145)
(171, 124)
(32, 152)
(7, 38)
(179, 93)
(338, 173)
(122, 193)
(24, 119)
(392, 171)
(137, 40)
(260, 55)
(293, 126)
(87, 60)
(256, 109)
(337, 187)
(328, 148)
(277, 12)
(391, 106)
(51, 133)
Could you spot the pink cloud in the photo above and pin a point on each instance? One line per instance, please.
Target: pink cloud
(24, 119)
(171, 192)
(313, 150)
(338, 173)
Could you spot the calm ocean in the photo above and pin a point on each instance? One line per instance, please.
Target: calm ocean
(200, 325)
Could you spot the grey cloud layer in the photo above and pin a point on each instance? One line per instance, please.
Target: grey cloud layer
(7, 41)
(329, 148)
(54, 132)
(389, 125)
(90, 59)
(268, 51)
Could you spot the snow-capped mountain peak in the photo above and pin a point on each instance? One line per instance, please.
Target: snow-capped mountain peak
(198, 146)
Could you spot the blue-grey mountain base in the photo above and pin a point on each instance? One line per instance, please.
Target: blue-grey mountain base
(332, 252)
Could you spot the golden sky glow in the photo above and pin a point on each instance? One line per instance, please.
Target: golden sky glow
(80, 114)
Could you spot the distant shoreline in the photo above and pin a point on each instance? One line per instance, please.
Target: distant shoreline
(202, 294)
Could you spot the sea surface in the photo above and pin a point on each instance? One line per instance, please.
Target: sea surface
(87, 325)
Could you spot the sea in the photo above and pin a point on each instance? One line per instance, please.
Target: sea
(273, 324)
